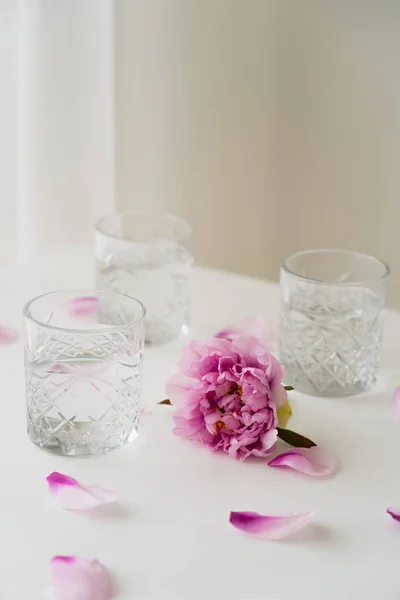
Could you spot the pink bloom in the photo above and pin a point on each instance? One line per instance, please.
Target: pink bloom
(227, 395)
(252, 326)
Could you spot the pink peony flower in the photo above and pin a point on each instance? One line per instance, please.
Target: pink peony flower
(251, 326)
(227, 396)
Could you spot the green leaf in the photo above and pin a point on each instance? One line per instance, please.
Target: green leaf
(166, 401)
(288, 388)
(294, 439)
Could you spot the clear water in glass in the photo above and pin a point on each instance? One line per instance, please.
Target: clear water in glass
(83, 406)
(149, 256)
(332, 305)
(83, 368)
(160, 275)
(330, 342)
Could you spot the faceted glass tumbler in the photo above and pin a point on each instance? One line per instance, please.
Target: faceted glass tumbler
(332, 305)
(83, 370)
(150, 257)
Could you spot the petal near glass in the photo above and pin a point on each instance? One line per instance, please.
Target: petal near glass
(83, 371)
(149, 256)
(332, 305)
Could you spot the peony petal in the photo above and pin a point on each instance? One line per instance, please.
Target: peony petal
(269, 527)
(178, 388)
(191, 357)
(83, 305)
(70, 494)
(311, 461)
(222, 347)
(75, 578)
(7, 334)
(279, 396)
(252, 326)
(394, 512)
(250, 349)
(396, 398)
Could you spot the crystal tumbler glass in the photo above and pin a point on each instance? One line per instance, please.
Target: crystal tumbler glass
(148, 256)
(331, 321)
(83, 369)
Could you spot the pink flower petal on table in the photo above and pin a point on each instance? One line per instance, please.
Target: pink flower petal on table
(269, 527)
(75, 578)
(72, 495)
(394, 512)
(311, 461)
(145, 411)
(83, 305)
(396, 398)
(7, 334)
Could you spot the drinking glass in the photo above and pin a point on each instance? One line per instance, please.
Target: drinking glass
(83, 369)
(148, 256)
(331, 320)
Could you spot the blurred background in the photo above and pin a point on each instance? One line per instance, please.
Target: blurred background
(272, 125)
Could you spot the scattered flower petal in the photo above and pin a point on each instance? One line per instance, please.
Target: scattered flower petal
(312, 461)
(72, 495)
(396, 398)
(83, 305)
(75, 578)
(394, 512)
(251, 326)
(145, 411)
(7, 334)
(269, 527)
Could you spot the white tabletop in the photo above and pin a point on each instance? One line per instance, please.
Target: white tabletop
(172, 539)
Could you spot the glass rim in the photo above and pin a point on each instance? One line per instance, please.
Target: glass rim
(84, 292)
(143, 213)
(383, 277)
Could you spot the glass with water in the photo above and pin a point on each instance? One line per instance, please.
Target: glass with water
(331, 321)
(83, 369)
(150, 257)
